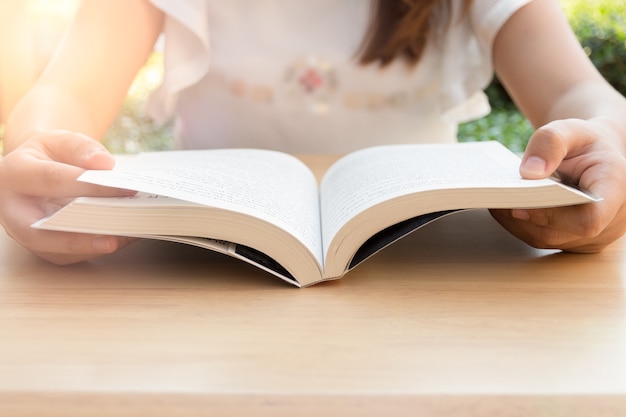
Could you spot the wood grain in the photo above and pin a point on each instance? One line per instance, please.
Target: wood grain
(459, 318)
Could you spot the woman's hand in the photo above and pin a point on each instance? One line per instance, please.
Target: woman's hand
(590, 154)
(38, 178)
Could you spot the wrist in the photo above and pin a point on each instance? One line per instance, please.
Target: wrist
(613, 129)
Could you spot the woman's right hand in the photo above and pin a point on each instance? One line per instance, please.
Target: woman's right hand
(39, 177)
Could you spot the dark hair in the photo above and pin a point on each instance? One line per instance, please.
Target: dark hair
(401, 28)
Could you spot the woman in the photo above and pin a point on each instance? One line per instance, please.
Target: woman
(319, 76)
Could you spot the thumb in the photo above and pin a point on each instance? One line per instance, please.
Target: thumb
(77, 149)
(550, 145)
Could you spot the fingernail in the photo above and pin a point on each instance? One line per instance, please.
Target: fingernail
(94, 151)
(127, 193)
(102, 244)
(534, 165)
(520, 214)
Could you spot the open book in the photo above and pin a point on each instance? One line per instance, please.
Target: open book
(266, 207)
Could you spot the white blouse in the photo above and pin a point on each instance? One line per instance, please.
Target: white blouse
(283, 74)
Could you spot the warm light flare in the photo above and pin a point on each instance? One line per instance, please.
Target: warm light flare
(52, 9)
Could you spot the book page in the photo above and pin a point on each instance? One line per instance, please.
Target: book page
(271, 186)
(371, 176)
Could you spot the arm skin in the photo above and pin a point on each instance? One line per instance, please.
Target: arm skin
(54, 133)
(580, 132)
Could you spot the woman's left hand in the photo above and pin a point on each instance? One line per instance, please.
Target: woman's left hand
(589, 153)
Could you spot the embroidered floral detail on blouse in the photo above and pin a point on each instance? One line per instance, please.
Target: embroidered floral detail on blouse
(311, 81)
(312, 84)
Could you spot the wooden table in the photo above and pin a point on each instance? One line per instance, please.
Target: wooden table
(458, 319)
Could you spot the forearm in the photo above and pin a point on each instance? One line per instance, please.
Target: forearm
(49, 108)
(85, 83)
(594, 99)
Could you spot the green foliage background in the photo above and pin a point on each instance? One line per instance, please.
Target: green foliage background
(600, 26)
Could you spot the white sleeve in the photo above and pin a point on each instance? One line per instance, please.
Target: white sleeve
(467, 61)
(186, 55)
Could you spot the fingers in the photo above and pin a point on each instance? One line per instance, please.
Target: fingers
(551, 144)
(536, 235)
(76, 149)
(589, 154)
(550, 228)
(583, 228)
(57, 247)
(49, 165)
(532, 231)
(69, 248)
(38, 177)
